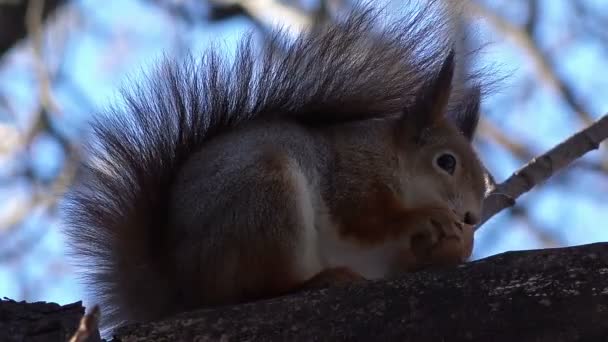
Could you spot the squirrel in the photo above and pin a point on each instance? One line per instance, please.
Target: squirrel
(338, 155)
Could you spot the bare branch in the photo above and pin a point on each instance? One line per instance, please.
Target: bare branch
(541, 168)
(33, 23)
(489, 130)
(265, 12)
(547, 238)
(44, 196)
(545, 71)
(12, 25)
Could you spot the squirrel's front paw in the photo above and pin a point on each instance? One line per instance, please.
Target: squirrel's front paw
(440, 238)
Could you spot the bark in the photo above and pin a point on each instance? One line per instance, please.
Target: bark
(551, 295)
(541, 295)
(21, 321)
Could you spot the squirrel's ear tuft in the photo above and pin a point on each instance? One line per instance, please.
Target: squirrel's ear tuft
(432, 98)
(466, 115)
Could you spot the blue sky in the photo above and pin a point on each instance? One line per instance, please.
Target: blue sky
(119, 40)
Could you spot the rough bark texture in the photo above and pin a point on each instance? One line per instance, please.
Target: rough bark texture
(12, 21)
(541, 295)
(21, 321)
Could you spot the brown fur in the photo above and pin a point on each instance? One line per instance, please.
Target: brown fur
(214, 181)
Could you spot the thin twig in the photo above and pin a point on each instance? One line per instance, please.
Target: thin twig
(492, 132)
(545, 71)
(266, 13)
(44, 195)
(33, 23)
(541, 168)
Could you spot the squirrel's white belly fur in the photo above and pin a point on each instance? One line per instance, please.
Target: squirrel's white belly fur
(370, 262)
(307, 257)
(322, 247)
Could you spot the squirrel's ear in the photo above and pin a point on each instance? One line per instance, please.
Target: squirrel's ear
(432, 98)
(466, 115)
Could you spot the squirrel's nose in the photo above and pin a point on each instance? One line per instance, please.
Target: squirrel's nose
(470, 218)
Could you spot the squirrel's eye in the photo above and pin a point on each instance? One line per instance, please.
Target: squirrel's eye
(446, 162)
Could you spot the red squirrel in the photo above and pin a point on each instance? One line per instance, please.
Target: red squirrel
(339, 155)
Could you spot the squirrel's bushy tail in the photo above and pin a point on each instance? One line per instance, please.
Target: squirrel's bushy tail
(117, 212)
(117, 215)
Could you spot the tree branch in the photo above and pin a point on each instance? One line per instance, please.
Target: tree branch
(548, 295)
(265, 13)
(541, 168)
(21, 321)
(543, 295)
(13, 22)
(541, 63)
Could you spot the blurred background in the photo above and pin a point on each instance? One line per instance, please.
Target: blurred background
(63, 61)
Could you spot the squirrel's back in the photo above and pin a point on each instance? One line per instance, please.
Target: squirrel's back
(205, 148)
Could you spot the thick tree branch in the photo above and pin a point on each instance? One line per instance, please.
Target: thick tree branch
(550, 295)
(543, 295)
(541, 168)
(21, 321)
